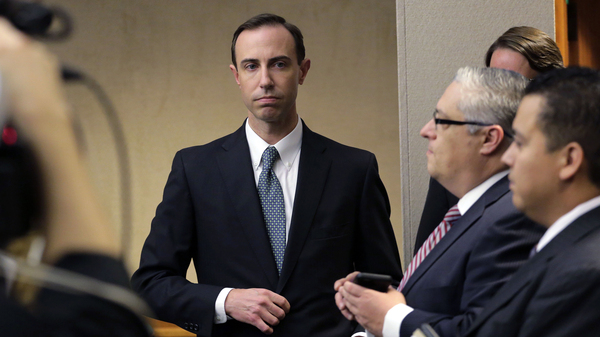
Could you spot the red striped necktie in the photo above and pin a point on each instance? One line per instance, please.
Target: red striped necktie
(451, 216)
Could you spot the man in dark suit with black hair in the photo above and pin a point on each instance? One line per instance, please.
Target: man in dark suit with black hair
(555, 178)
(271, 215)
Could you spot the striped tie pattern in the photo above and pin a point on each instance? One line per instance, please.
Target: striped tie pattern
(273, 206)
(438, 233)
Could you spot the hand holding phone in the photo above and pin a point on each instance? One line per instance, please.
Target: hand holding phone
(377, 282)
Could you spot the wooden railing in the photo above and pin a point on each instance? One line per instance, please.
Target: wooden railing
(164, 329)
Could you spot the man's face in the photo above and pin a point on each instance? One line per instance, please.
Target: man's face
(268, 74)
(534, 176)
(504, 58)
(451, 147)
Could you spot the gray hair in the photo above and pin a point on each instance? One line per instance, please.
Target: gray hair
(490, 95)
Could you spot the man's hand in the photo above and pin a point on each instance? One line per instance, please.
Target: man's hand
(339, 300)
(259, 307)
(368, 307)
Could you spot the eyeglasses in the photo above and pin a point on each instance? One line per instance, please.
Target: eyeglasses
(453, 122)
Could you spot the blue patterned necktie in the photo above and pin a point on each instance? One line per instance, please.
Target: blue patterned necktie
(273, 207)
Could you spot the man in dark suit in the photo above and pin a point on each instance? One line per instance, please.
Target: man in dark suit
(526, 50)
(455, 274)
(555, 179)
(267, 243)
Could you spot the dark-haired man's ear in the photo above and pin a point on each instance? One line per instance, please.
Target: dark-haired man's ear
(235, 73)
(570, 160)
(304, 66)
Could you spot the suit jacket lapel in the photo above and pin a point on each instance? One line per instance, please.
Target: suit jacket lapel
(312, 175)
(235, 166)
(458, 229)
(535, 266)
(521, 279)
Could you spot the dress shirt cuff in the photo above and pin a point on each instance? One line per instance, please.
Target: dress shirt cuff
(393, 320)
(362, 334)
(220, 315)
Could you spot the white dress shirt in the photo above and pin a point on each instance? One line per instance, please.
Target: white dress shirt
(286, 170)
(565, 220)
(395, 316)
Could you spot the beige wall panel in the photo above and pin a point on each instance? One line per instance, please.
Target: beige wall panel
(435, 38)
(165, 64)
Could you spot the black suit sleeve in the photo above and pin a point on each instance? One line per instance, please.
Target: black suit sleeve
(567, 301)
(438, 202)
(375, 243)
(166, 255)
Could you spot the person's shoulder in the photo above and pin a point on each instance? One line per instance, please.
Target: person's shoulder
(505, 205)
(335, 148)
(575, 267)
(211, 147)
(583, 256)
(504, 222)
(499, 202)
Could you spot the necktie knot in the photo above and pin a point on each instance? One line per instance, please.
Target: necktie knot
(269, 157)
(452, 215)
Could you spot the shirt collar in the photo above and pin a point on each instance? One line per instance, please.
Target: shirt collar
(473, 195)
(288, 147)
(567, 219)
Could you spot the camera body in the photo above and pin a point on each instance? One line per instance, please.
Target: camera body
(21, 204)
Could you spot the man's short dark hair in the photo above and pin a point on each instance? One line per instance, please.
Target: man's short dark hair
(537, 47)
(267, 19)
(571, 112)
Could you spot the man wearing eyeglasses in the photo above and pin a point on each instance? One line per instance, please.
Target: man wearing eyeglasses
(482, 241)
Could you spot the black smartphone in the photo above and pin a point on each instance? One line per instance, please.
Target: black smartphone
(377, 282)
